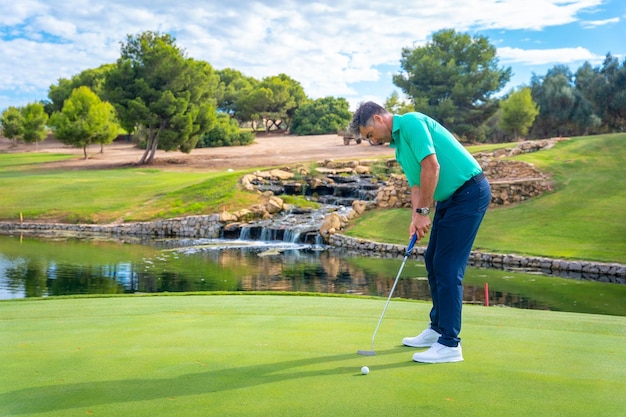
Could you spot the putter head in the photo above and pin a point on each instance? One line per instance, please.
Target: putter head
(366, 352)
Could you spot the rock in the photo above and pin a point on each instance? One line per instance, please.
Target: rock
(274, 205)
(360, 169)
(226, 217)
(315, 182)
(258, 210)
(359, 206)
(242, 214)
(325, 171)
(247, 179)
(302, 170)
(281, 175)
(331, 224)
(263, 174)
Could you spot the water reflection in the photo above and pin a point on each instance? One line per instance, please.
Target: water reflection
(37, 267)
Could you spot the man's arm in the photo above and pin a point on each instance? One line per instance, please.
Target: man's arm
(422, 196)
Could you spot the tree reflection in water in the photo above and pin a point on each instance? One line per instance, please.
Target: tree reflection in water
(37, 267)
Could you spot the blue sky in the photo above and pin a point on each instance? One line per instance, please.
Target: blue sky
(340, 48)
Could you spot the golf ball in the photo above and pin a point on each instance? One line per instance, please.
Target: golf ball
(365, 370)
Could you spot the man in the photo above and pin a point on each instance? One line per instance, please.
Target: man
(439, 170)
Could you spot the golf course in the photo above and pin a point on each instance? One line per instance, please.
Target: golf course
(287, 354)
(233, 355)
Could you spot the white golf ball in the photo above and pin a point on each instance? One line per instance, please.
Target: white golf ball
(365, 370)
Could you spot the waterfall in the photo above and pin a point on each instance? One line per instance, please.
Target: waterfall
(292, 236)
(299, 226)
(268, 234)
(245, 233)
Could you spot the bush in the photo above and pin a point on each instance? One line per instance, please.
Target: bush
(321, 116)
(226, 132)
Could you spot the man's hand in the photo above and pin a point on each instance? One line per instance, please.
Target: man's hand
(420, 225)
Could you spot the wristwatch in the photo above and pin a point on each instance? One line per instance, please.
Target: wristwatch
(424, 211)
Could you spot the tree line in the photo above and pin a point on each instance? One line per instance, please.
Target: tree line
(455, 79)
(173, 102)
(170, 102)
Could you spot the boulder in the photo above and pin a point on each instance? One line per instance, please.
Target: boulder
(331, 224)
(274, 205)
(226, 217)
(281, 175)
(359, 206)
(361, 169)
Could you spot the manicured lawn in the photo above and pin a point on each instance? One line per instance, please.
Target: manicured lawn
(235, 355)
(253, 355)
(134, 194)
(27, 160)
(582, 218)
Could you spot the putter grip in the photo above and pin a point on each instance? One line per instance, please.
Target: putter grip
(411, 244)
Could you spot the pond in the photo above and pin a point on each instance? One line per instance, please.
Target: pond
(68, 265)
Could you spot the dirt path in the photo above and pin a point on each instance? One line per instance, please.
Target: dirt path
(264, 152)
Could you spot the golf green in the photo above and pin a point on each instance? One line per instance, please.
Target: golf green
(277, 355)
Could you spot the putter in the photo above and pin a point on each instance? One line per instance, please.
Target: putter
(406, 256)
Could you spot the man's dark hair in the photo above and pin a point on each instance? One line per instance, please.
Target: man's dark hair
(363, 116)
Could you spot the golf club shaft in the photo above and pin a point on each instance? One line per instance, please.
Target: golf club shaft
(406, 256)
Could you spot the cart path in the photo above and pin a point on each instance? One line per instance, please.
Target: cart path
(266, 151)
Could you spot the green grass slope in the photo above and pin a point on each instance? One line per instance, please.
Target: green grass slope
(582, 218)
(102, 196)
(295, 356)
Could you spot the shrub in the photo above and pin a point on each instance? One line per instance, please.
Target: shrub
(321, 116)
(226, 132)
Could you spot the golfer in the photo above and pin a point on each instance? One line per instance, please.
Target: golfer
(439, 170)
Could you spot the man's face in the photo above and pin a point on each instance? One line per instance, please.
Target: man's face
(377, 133)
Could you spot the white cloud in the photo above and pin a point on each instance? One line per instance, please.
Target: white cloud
(328, 46)
(532, 14)
(546, 56)
(14, 12)
(590, 24)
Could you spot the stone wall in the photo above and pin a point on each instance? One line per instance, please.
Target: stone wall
(211, 226)
(193, 226)
(511, 182)
(610, 272)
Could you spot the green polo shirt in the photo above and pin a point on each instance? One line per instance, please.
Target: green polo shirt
(415, 136)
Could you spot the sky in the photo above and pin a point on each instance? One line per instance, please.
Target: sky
(338, 48)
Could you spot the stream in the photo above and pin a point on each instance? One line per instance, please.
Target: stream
(32, 267)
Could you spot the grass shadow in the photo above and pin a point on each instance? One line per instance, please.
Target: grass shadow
(88, 394)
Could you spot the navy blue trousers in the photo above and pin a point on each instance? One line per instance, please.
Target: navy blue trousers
(454, 228)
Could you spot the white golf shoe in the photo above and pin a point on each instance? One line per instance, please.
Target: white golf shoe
(425, 339)
(439, 353)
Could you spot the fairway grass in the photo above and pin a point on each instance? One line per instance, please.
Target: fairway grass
(583, 217)
(29, 160)
(253, 355)
(132, 194)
